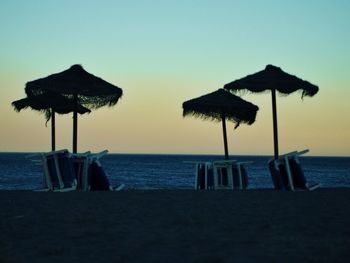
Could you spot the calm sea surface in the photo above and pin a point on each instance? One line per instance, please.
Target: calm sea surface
(141, 171)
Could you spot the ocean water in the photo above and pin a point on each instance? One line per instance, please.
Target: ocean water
(144, 171)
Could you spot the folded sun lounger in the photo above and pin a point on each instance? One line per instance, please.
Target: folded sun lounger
(230, 174)
(287, 173)
(58, 171)
(226, 174)
(90, 173)
(204, 178)
(63, 171)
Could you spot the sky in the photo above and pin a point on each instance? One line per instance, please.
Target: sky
(162, 53)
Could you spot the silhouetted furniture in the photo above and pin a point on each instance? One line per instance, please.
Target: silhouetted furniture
(230, 174)
(63, 171)
(204, 178)
(287, 173)
(90, 173)
(58, 171)
(81, 165)
(226, 174)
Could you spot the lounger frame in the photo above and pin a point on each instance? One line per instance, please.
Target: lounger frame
(42, 160)
(217, 167)
(284, 160)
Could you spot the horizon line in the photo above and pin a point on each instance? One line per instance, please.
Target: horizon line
(188, 154)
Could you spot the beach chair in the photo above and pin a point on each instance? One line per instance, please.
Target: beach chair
(81, 165)
(230, 174)
(63, 171)
(226, 174)
(204, 178)
(223, 174)
(58, 171)
(90, 173)
(287, 173)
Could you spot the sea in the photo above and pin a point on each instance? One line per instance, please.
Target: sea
(161, 171)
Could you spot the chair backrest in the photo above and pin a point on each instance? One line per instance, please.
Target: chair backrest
(299, 179)
(276, 175)
(223, 175)
(286, 171)
(200, 176)
(52, 179)
(97, 177)
(244, 176)
(58, 170)
(204, 176)
(236, 176)
(81, 167)
(67, 169)
(89, 171)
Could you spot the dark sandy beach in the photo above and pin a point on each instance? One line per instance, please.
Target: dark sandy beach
(175, 226)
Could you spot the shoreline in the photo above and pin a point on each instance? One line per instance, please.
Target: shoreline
(176, 226)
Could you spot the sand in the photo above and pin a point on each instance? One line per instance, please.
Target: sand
(175, 226)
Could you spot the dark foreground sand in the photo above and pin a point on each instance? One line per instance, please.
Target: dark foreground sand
(175, 226)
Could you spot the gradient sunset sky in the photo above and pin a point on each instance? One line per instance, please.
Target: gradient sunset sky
(162, 53)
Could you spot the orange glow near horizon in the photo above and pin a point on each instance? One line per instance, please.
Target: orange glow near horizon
(145, 123)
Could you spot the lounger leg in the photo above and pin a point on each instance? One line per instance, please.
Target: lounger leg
(47, 173)
(289, 174)
(240, 176)
(230, 176)
(216, 177)
(86, 164)
(196, 187)
(206, 177)
(58, 171)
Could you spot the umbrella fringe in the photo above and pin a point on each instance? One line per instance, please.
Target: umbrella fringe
(243, 92)
(196, 114)
(217, 117)
(47, 116)
(108, 101)
(17, 107)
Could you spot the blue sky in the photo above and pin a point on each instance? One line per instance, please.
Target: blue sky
(165, 52)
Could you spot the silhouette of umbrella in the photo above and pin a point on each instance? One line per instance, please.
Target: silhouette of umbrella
(78, 86)
(274, 79)
(219, 106)
(49, 105)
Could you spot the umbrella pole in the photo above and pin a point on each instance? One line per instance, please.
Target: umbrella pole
(53, 133)
(225, 135)
(274, 116)
(75, 131)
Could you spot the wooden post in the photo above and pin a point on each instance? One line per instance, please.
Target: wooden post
(225, 135)
(75, 131)
(53, 133)
(75, 125)
(274, 117)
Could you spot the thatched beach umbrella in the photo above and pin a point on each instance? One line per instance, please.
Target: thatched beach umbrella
(221, 105)
(274, 79)
(80, 87)
(50, 105)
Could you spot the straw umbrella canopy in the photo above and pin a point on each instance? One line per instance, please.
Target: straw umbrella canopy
(48, 106)
(275, 79)
(78, 86)
(221, 105)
